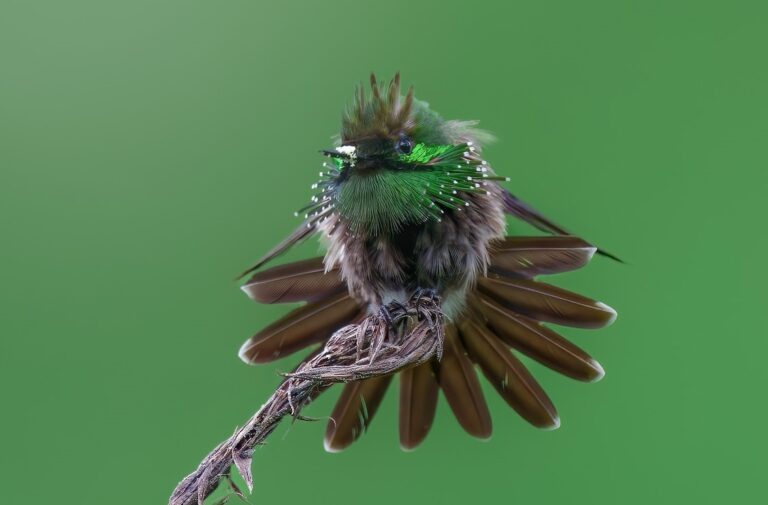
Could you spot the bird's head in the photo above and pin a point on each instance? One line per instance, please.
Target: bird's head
(398, 163)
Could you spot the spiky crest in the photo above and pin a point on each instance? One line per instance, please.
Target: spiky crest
(383, 113)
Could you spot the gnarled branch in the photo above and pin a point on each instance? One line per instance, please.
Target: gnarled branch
(409, 335)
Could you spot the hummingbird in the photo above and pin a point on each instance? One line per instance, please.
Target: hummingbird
(406, 203)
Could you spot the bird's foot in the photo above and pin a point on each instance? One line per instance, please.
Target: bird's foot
(392, 313)
(421, 293)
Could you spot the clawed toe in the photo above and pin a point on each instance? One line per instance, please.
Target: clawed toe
(422, 293)
(386, 315)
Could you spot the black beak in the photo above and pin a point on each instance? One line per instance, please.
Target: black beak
(333, 153)
(355, 158)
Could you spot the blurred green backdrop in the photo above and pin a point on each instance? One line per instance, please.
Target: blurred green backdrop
(149, 150)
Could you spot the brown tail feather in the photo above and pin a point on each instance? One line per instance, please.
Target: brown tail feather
(538, 341)
(294, 282)
(458, 380)
(510, 378)
(531, 256)
(547, 303)
(354, 411)
(306, 325)
(418, 401)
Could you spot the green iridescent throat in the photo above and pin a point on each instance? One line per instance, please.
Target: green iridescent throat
(431, 180)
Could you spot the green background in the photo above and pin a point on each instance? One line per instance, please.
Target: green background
(150, 150)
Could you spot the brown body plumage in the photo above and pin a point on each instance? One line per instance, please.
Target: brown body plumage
(445, 256)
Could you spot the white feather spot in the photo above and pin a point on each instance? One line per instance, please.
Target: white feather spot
(348, 150)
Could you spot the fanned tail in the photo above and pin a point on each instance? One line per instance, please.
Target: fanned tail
(506, 313)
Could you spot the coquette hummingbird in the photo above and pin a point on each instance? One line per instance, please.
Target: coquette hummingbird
(407, 203)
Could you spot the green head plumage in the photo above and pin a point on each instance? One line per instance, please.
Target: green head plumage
(398, 163)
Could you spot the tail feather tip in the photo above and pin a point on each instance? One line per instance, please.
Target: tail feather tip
(600, 371)
(610, 310)
(243, 353)
(248, 292)
(328, 446)
(555, 424)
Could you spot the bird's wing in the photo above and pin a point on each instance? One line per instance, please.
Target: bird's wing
(305, 229)
(521, 210)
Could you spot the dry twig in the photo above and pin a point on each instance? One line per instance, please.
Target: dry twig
(381, 344)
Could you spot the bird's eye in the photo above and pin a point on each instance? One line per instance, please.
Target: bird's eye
(404, 145)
